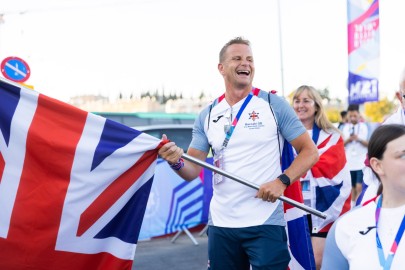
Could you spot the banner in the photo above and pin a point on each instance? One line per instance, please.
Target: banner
(73, 185)
(174, 203)
(363, 50)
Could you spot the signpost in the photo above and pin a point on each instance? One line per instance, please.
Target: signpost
(15, 69)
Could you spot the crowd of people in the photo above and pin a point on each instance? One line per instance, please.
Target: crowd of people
(247, 130)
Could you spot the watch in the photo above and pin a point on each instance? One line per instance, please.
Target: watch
(284, 179)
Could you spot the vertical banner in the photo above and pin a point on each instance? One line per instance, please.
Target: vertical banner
(363, 50)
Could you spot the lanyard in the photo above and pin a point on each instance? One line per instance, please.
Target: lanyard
(235, 121)
(386, 262)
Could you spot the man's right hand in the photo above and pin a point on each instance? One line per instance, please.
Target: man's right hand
(170, 151)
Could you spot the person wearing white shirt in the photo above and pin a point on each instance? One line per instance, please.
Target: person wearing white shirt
(245, 129)
(355, 135)
(370, 236)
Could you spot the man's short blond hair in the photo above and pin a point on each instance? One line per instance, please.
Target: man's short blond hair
(237, 40)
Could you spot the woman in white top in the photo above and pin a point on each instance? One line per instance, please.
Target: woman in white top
(326, 186)
(369, 236)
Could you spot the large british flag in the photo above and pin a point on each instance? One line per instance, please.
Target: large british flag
(331, 180)
(299, 241)
(73, 185)
(330, 191)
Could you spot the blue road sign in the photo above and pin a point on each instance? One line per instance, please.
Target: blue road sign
(15, 69)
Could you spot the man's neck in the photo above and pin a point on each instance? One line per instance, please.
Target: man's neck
(233, 95)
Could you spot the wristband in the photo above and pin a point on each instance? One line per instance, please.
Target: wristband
(178, 165)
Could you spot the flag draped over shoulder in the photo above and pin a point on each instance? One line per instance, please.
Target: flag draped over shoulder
(299, 241)
(73, 185)
(331, 181)
(330, 194)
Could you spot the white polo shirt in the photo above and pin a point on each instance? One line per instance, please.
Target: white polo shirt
(253, 153)
(356, 152)
(348, 246)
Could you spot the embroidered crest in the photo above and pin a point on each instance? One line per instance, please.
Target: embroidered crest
(253, 115)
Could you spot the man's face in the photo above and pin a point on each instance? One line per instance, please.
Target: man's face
(354, 117)
(238, 67)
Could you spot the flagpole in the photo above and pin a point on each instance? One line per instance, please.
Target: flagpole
(281, 46)
(253, 185)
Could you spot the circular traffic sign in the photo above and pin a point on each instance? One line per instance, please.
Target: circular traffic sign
(15, 69)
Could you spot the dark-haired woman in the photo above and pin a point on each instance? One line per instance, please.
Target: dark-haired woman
(370, 237)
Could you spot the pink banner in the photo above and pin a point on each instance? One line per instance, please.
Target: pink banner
(363, 50)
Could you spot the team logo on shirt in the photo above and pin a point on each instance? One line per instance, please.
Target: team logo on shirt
(254, 124)
(253, 115)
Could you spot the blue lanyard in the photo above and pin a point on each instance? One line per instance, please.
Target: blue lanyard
(386, 262)
(235, 121)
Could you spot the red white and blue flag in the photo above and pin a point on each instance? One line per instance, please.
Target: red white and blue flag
(73, 185)
(331, 179)
(331, 188)
(299, 241)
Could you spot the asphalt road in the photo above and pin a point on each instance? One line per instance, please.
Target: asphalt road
(162, 254)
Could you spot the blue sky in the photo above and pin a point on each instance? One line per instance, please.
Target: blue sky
(106, 47)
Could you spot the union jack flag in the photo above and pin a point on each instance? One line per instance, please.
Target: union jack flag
(73, 185)
(299, 241)
(331, 187)
(331, 178)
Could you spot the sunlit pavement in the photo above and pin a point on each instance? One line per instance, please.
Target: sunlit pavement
(162, 254)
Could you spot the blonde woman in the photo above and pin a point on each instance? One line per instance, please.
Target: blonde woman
(326, 186)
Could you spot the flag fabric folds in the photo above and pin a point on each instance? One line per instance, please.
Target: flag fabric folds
(299, 241)
(332, 181)
(331, 189)
(73, 185)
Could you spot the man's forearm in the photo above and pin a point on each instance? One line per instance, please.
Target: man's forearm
(190, 171)
(302, 163)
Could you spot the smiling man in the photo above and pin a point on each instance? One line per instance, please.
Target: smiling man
(245, 128)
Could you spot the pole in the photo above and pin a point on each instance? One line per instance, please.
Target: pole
(253, 185)
(281, 46)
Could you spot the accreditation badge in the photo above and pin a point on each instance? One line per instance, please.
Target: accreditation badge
(306, 191)
(219, 163)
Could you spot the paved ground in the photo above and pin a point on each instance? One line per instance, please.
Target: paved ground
(162, 254)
